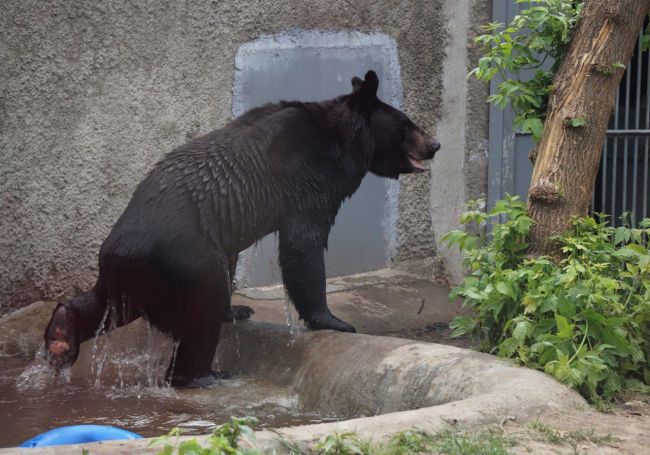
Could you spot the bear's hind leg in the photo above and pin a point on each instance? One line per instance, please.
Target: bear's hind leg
(200, 302)
(192, 362)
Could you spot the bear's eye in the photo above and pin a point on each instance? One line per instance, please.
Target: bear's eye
(406, 134)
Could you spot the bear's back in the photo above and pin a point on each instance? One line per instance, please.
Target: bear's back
(235, 184)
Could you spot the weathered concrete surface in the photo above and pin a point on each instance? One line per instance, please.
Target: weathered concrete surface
(385, 302)
(93, 93)
(353, 373)
(21, 332)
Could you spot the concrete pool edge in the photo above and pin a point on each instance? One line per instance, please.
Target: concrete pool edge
(466, 388)
(491, 389)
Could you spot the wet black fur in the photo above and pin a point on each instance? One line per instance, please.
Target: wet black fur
(282, 168)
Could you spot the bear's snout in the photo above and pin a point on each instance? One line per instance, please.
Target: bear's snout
(434, 146)
(426, 147)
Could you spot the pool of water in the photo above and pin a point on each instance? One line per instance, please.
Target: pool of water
(33, 399)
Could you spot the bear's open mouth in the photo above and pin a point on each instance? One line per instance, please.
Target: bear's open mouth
(417, 165)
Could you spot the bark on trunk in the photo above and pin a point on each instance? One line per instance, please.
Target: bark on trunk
(568, 155)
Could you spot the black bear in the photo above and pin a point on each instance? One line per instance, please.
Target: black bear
(284, 168)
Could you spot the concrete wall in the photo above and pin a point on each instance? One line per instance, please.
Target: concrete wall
(460, 174)
(93, 93)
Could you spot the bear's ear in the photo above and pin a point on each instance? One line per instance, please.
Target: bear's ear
(364, 93)
(370, 84)
(356, 84)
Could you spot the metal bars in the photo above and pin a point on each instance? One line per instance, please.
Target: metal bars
(622, 184)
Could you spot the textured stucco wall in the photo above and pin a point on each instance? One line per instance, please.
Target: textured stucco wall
(93, 93)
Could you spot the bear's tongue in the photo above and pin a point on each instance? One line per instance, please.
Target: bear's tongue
(417, 164)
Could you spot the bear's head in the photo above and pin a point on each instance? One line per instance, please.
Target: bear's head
(400, 146)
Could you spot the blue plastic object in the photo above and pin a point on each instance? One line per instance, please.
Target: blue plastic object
(77, 434)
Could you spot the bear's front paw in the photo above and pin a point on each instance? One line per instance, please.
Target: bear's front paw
(329, 322)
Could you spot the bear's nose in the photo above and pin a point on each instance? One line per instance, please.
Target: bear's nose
(434, 147)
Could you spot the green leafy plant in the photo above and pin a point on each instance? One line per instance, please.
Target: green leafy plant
(343, 444)
(224, 440)
(482, 443)
(540, 31)
(409, 442)
(583, 318)
(553, 435)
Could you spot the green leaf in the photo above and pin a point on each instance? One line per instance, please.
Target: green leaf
(577, 122)
(472, 294)
(561, 369)
(190, 447)
(508, 347)
(637, 249)
(621, 235)
(523, 225)
(462, 325)
(521, 332)
(564, 329)
(167, 450)
(503, 288)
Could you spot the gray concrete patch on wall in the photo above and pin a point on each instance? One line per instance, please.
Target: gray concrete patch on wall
(313, 65)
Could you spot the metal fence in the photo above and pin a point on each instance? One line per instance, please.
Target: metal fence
(623, 180)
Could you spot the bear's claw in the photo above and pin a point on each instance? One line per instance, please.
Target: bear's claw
(329, 322)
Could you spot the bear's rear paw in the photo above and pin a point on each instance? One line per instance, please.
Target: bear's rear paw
(61, 346)
(240, 313)
(329, 322)
(197, 382)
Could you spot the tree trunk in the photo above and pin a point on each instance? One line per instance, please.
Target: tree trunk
(584, 91)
